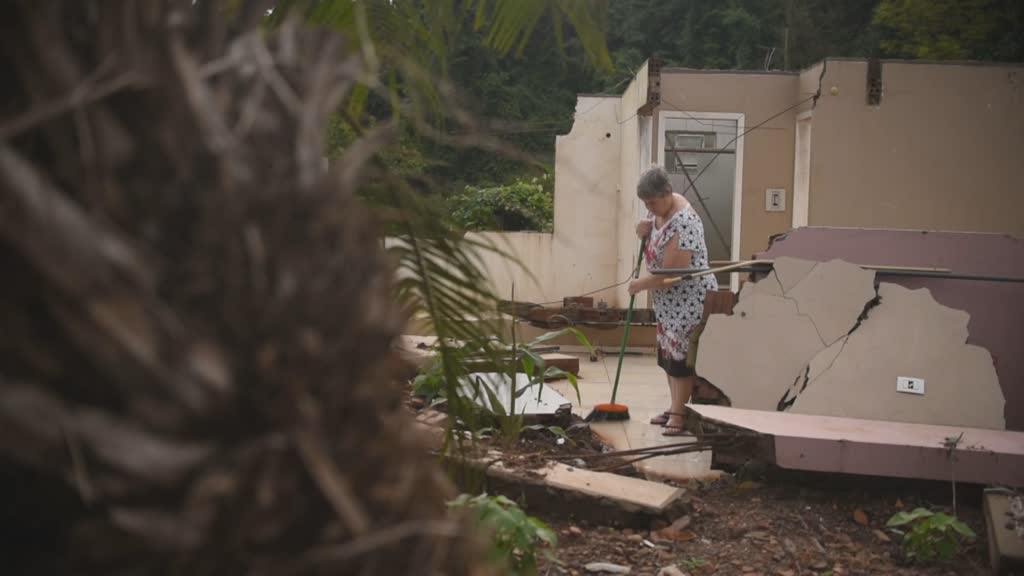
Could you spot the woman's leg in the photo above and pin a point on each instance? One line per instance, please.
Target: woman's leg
(681, 390)
(662, 419)
(672, 393)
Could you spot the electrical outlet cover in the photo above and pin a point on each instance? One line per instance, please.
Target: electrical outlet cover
(910, 385)
(775, 200)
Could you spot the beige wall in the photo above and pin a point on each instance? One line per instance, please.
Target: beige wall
(627, 244)
(941, 152)
(937, 154)
(767, 151)
(579, 256)
(586, 192)
(533, 250)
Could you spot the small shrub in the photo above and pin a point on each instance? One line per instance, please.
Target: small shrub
(933, 537)
(693, 564)
(512, 207)
(516, 535)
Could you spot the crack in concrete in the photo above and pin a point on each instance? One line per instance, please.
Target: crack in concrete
(846, 339)
(796, 302)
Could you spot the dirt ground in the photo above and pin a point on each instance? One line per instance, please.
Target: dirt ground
(784, 524)
(765, 522)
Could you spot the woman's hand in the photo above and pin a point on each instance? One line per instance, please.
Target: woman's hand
(643, 228)
(639, 285)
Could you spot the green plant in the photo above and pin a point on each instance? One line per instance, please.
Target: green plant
(512, 207)
(934, 537)
(516, 535)
(556, 431)
(693, 564)
(491, 414)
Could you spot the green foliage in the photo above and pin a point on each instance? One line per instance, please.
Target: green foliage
(952, 29)
(513, 207)
(933, 537)
(516, 536)
(432, 384)
(693, 564)
(556, 431)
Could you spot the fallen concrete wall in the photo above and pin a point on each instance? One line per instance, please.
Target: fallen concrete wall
(995, 308)
(779, 326)
(819, 338)
(908, 334)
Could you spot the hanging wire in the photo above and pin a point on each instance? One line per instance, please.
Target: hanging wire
(693, 181)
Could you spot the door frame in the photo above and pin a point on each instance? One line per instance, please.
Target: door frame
(802, 163)
(737, 195)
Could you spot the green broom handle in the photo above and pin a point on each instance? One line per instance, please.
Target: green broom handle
(629, 318)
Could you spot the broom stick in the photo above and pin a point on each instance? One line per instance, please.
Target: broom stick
(629, 318)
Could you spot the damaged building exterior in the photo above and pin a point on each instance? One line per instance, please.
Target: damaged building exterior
(870, 162)
(881, 330)
(844, 143)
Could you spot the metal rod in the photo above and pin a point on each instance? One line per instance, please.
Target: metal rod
(684, 272)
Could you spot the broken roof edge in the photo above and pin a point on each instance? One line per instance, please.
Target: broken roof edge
(818, 63)
(684, 70)
(978, 63)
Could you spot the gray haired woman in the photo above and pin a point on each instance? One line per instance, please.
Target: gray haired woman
(675, 239)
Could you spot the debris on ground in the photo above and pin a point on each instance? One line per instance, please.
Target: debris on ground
(792, 524)
(606, 568)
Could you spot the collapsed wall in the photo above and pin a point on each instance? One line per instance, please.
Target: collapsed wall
(820, 338)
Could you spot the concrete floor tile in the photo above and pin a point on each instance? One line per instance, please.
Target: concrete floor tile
(643, 389)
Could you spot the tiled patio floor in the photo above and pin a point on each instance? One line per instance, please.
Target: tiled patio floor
(642, 387)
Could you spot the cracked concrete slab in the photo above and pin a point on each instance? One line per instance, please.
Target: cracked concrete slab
(908, 334)
(786, 273)
(768, 286)
(760, 354)
(819, 364)
(790, 271)
(833, 294)
(754, 355)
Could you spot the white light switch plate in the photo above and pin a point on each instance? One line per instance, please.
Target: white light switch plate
(775, 200)
(910, 385)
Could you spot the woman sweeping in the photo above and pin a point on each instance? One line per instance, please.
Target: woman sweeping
(675, 236)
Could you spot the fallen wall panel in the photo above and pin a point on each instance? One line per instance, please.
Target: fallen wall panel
(910, 335)
(996, 309)
(878, 448)
(779, 325)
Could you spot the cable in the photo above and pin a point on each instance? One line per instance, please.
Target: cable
(626, 281)
(693, 182)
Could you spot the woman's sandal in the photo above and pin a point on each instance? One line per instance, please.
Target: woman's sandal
(660, 419)
(679, 430)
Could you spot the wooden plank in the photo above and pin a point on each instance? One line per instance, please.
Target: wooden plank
(566, 362)
(652, 497)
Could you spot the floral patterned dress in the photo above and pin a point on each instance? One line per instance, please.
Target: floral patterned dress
(678, 308)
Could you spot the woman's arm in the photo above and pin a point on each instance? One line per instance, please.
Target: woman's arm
(675, 257)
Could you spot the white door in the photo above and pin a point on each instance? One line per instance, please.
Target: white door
(703, 156)
(802, 172)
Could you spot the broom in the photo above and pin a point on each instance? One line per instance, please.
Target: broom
(612, 411)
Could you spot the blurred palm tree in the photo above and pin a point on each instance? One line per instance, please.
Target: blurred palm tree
(405, 46)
